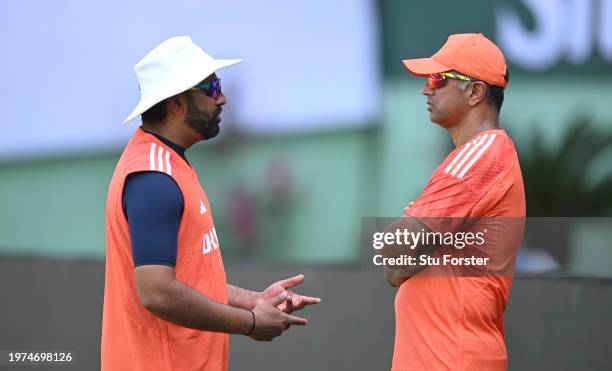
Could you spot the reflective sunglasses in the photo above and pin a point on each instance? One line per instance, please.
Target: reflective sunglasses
(438, 80)
(211, 89)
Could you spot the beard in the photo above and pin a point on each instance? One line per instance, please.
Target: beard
(206, 124)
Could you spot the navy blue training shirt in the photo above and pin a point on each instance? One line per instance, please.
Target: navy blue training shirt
(153, 205)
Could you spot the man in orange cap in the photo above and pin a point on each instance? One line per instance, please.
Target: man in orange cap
(453, 319)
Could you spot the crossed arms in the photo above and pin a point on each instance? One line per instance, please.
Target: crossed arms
(396, 275)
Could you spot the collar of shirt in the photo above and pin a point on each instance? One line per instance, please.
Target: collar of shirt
(178, 149)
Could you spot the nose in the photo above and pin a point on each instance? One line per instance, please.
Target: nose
(221, 99)
(426, 90)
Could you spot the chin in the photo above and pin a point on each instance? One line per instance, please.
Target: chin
(212, 133)
(434, 119)
(440, 123)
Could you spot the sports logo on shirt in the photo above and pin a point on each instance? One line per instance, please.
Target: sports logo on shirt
(202, 208)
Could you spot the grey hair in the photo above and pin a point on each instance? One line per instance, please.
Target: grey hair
(463, 84)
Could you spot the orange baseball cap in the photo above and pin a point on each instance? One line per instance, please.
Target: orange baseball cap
(468, 53)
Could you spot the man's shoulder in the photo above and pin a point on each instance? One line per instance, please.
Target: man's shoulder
(144, 152)
(488, 153)
(142, 187)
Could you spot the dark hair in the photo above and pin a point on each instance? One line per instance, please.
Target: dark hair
(495, 95)
(155, 114)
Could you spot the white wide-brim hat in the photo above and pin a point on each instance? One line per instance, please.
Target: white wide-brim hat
(172, 67)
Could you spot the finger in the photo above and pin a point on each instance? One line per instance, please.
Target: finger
(289, 304)
(296, 303)
(278, 299)
(291, 281)
(302, 301)
(409, 206)
(310, 300)
(293, 320)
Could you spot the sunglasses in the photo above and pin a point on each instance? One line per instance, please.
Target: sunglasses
(211, 89)
(438, 80)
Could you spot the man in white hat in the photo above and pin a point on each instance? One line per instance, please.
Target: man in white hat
(167, 305)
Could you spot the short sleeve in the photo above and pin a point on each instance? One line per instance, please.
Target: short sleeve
(153, 205)
(466, 176)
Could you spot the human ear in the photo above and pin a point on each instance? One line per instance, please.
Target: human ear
(175, 106)
(477, 92)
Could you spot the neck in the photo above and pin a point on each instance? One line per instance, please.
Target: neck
(473, 124)
(171, 132)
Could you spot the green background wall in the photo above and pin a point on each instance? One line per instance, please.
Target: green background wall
(54, 206)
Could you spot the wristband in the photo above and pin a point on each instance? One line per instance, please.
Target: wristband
(252, 326)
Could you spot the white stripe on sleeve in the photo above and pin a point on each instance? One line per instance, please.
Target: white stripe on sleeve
(152, 156)
(467, 156)
(475, 158)
(467, 146)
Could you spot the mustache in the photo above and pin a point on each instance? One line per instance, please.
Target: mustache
(218, 111)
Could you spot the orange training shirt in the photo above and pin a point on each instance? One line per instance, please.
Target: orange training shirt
(132, 337)
(454, 321)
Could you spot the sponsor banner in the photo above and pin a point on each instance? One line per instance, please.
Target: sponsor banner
(538, 37)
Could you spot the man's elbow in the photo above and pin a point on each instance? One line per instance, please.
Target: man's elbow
(157, 296)
(154, 287)
(152, 302)
(396, 282)
(155, 301)
(394, 278)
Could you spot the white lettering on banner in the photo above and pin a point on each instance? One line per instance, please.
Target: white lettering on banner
(563, 28)
(210, 241)
(579, 32)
